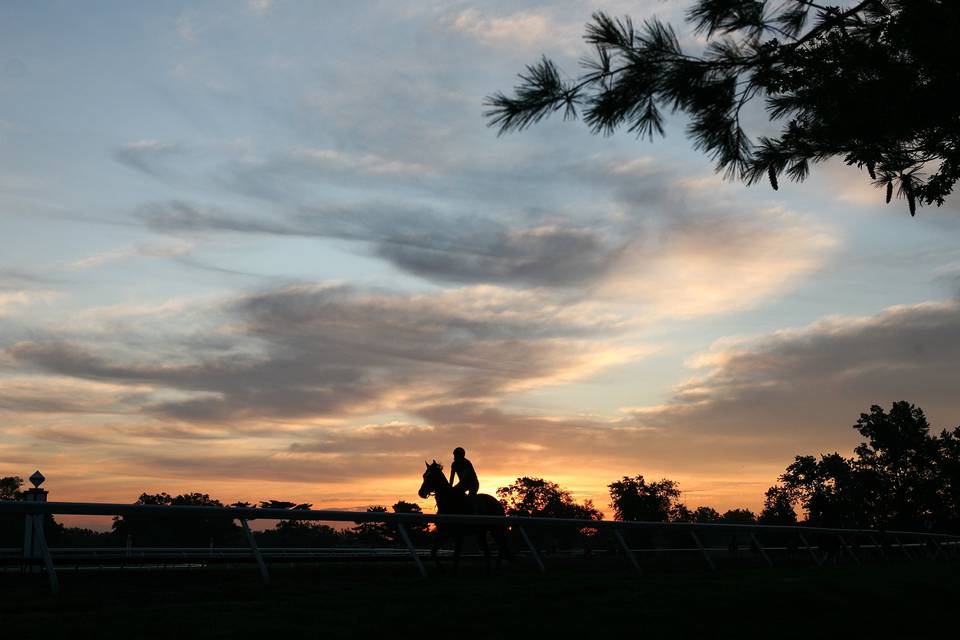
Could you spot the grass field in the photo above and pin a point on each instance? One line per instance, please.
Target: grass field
(902, 600)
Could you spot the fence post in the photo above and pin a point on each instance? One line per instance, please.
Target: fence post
(264, 574)
(761, 549)
(627, 550)
(703, 550)
(41, 543)
(34, 540)
(813, 553)
(903, 548)
(413, 551)
(951, 549)
(937, 550)
(28, 543)
(533, 550)
(847, 548)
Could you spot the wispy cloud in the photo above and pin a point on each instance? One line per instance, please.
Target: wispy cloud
(141, 251)
(260, 7)
(524, 30)
(368, 163)
(148, 155)
(186, 29)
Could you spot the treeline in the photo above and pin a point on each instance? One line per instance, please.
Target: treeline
(900, 477)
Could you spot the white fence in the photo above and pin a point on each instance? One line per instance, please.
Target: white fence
(851, 543)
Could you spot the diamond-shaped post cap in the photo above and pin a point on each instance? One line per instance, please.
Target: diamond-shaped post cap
(37, 479)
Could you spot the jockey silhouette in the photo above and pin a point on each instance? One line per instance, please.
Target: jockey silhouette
(462, 468)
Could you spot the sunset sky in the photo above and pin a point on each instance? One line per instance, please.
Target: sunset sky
(270, 249)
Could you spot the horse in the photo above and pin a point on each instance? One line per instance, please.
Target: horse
(452, 501)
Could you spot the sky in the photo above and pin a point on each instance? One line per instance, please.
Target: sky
(271, 250)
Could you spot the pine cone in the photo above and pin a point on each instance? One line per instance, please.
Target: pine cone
(889, 191)
(773, 177)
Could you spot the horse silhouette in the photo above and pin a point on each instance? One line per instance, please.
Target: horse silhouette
(451, 501)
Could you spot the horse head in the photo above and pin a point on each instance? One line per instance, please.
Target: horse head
(432, 478)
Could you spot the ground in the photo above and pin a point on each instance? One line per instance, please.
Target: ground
(896, 599)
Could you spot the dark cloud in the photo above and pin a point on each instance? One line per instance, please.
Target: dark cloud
(643, 214)
(149, 156)
(808, 385)
(308, 351)
(763, 401)
(458, 249)
(219, 463)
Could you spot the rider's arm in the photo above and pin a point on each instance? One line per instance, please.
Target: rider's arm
(452, 473)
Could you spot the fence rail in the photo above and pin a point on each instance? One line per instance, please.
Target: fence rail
(847, 541)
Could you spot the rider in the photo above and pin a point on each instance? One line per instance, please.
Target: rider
(463, 469)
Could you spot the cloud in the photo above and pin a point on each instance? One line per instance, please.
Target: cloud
(679, 258)
(757, 403)
(520, 26)
(798, 388)
(186, 28)
(16, 300)
(948, 276)
(457, 249)
(16, 279)
(260, 7)
(312, 363)
(701, 265)
(65, 395)
(121, 255)
(149, 156)
(523, 30)
(367, 163)
(311, 351)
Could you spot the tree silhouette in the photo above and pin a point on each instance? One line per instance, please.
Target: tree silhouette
(738, 516)
(635, 499)
(419, 532)
(10, 488)
(901, 458)
(900, 476)
(867, 83)
(11, 526)
(827, 489)
(706, 515)
(179, 530)
(536, 497)
(539, 498)
(680, 513)
(373, 534)
(778, 507)
(294, 533)
(948, 493)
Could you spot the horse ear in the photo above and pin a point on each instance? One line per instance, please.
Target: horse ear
(426, 464)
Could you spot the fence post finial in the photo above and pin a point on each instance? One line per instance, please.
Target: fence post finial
(37, 479)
